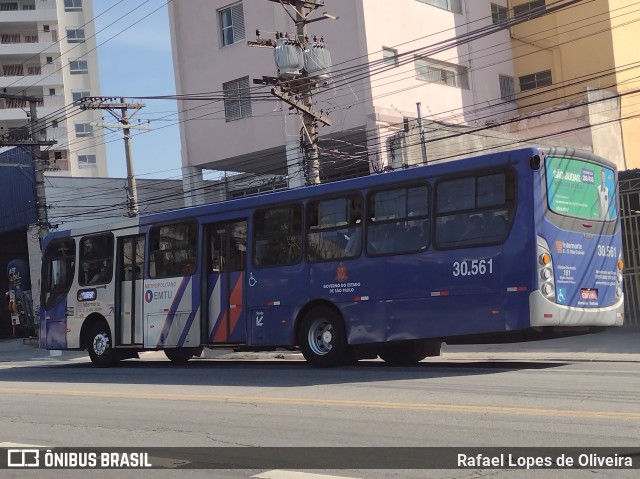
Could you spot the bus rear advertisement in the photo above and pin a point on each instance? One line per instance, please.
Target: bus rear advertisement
(516, 245)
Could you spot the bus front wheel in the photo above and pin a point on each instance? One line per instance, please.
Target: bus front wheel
(410, 353)
(322, 338)
(100, 346)
(181, 355)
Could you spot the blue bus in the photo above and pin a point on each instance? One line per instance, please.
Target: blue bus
(510, 246)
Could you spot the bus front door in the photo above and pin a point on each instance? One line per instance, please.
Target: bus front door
(130, 293)
(226, 255)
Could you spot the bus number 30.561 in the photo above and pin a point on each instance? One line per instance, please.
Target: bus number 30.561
(473, 267)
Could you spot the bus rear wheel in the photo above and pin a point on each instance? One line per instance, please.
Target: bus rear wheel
(410, 353)
(100, 346)
(322, 338)
(181, 355)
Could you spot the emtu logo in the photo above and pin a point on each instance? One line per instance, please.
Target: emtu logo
(148, 296)
(559, 247)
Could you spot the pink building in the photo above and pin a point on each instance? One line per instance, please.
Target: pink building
(386, 58)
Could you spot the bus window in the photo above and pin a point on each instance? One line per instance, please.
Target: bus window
(580, 189)
(277, 236)
(218, 260)
(172, 250)
(96, 260)
(474, 211)
(398, 221)
(334, 228)
(58, 268)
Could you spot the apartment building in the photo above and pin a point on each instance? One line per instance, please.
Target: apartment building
(386, 59)
(48, 51)
(580, 66)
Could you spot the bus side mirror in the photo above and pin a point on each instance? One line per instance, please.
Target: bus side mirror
(534, 162)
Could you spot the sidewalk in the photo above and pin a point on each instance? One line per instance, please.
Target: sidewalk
(620, 344)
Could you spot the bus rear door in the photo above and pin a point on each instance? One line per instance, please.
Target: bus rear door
(226, 246)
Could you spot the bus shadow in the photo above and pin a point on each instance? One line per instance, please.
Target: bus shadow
(257, 373)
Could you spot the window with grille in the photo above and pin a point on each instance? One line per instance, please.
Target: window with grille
(231, 21)
(528, 7)
(454, 6)
(84, 129)
(72, 5)
(390, 56)
(535, 80)
(499, 13)
(434, 71)
(507, 88)
(86, 161)
(237, 101)
(79, 67)
(75, 35)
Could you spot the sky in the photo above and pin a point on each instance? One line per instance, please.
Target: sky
(134, 55)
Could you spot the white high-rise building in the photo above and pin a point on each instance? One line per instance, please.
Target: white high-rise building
(48, 51)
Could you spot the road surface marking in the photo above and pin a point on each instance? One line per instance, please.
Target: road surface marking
(457, 408)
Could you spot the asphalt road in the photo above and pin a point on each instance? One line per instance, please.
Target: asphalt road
(285, 403)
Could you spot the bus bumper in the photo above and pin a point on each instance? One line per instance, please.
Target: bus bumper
(545, 313)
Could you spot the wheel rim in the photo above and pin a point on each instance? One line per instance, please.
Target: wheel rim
(320, 337)
(100, 343)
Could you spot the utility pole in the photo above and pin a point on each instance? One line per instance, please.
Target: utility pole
(123, 118)
(296, 90)
(34, 144)
(423, 144)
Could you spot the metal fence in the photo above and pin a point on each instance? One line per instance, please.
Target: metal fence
(629, 188)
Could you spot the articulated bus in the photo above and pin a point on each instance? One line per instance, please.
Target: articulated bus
(510, 246)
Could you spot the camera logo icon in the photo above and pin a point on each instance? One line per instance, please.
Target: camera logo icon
(23, 458)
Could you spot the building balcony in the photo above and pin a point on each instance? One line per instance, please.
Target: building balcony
(57, 133)
(27, 11)
(21, 75)
(55, 161)
(29, 43)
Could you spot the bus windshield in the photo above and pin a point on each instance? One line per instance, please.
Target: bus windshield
(580, 189)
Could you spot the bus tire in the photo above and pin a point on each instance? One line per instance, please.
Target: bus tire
(409, 353)
(181, 355)
(322, 338)
(100, 346)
